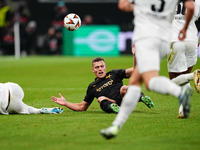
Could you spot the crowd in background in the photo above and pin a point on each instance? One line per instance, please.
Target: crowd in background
(32, 43)
(41, 27)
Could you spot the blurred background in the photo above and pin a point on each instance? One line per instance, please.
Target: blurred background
(37, 27)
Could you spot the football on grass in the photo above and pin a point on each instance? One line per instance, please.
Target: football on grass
(72, 22)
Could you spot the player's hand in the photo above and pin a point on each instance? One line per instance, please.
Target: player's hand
(60, 101)
(182, 34)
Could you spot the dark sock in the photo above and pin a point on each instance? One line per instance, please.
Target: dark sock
(105, 106)
(141, 95)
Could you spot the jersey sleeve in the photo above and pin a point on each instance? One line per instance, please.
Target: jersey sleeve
(120, 72)
(89, 97)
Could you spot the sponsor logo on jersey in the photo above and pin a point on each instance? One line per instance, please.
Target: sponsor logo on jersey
(105, 85)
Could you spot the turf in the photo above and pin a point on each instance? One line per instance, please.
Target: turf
(42, 77)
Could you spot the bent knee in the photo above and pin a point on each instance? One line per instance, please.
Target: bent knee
(101, 98)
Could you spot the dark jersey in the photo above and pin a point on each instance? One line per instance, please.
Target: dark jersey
(109, 86)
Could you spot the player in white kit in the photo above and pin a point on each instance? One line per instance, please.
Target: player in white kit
(11, 96)
(183, 54)
(152, 34)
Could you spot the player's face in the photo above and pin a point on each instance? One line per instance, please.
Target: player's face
(99, 69)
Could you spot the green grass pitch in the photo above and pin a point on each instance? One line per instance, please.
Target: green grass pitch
(43, 77)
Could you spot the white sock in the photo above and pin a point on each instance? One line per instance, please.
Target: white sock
(32, 110)
(129, 102)
(163, 85)
(183, 79)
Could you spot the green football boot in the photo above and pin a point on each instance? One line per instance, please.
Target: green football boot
(147, 101)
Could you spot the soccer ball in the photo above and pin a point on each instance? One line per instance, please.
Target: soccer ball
(72, 22)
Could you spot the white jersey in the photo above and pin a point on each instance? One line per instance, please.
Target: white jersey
(179, 21)
(153, 18)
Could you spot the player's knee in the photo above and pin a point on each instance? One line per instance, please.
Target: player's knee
(101, 98)
(123, 90)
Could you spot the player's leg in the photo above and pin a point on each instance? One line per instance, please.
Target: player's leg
(182, 79)
(127, 106)
(181, 108)
(143, 98)
(179, 68)
(16, 97)
(134, 89)
(108, 105)
(184, 58)
(153, 50)
(17, 105)
(191, 55)
(32, 110)
(164, 86)
(148, 64)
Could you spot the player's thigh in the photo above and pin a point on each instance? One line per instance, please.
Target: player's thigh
(149, 53)
(16, 97)
(147, 76)
(191, 53)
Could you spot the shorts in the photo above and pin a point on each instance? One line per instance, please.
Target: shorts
(149, 53)
(3, 99)
(184, 55)
(16, 96)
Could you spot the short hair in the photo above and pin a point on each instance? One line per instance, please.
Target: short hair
(97, 59)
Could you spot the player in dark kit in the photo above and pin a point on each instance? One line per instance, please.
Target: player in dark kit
(108, 88)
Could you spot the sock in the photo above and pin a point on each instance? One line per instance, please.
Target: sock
(105, 106)
(183, 79)
(164, 85)
(33, 110)
(128, 104)
(141, 95)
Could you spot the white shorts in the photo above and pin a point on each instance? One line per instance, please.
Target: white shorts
(16, 104)
(149, 53)
(185, 56)
(16, 96)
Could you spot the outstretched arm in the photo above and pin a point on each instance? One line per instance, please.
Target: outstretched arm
(73, 106)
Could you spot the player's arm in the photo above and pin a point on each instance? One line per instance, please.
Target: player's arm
(189, 5)
(125, 5)
(128, 72)
(83, 106)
